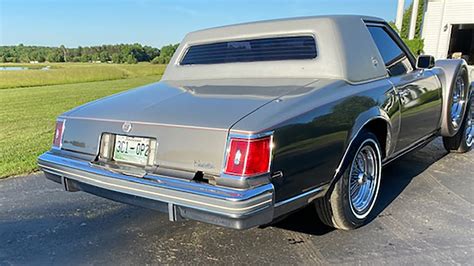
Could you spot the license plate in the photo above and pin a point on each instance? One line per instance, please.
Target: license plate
(134, 150)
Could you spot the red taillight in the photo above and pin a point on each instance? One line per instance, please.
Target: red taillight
(248, 157)
(58, 134)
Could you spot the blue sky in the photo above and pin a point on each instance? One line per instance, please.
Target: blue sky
(153, 22)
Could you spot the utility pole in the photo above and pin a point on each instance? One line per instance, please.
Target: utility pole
(399, 18)
(414, 15)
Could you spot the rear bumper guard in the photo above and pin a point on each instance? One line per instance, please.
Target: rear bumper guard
(239, 209)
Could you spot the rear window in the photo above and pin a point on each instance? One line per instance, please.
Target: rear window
(268, 49)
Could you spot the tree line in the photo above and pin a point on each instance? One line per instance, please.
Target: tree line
(117, 53)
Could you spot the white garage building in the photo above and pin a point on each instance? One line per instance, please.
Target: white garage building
(448, 29)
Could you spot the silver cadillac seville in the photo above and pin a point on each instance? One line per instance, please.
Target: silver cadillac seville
(253, 121)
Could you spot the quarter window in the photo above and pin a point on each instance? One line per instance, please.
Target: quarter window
(388, 48)
(393, 56)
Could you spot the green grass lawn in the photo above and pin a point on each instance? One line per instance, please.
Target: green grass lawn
(27, 115)
(68, 73)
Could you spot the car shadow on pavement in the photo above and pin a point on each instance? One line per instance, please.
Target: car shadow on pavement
(396, 177)
(304, 221)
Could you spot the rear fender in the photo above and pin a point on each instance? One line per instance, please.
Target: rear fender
(360, 123)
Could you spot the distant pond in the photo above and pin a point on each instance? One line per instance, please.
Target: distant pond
(16, 68)
(12, 68)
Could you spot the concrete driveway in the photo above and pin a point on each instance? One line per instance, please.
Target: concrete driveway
(425, 216)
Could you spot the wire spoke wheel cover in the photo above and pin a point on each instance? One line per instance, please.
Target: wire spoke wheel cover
(458, 101)
(364, 179)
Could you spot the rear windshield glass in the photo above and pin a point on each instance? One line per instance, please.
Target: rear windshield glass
(268, 49)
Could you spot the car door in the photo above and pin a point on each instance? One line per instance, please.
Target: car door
(419, 90)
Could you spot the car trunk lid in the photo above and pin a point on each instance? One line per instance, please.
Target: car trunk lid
(189, 119)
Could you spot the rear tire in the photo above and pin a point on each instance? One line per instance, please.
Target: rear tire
(350, 200)
(463, 140)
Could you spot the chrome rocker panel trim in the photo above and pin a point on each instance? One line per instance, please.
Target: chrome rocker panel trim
(239, 209)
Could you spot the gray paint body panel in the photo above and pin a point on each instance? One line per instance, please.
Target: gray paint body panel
(313, 130)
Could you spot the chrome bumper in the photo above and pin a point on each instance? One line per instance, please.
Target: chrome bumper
(239, 209)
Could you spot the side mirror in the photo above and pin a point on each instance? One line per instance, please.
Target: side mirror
(425, 62)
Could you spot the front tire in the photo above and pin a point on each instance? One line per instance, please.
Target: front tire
(457, 101)
(463, 140)
(348, 203)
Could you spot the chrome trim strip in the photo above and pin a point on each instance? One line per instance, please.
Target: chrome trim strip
(422, 141)
(299, 201)
(250, 135)
(141, 122)
(297, 197)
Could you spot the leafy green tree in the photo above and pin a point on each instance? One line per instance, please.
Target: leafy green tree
(166, 54)
(131, 59)
(116, 58)
(407, 18)
(24, 58)
(55, 56)
(85, 58)
(416, 45)
(104, 56)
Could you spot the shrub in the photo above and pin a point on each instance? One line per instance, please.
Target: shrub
(416, 45)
